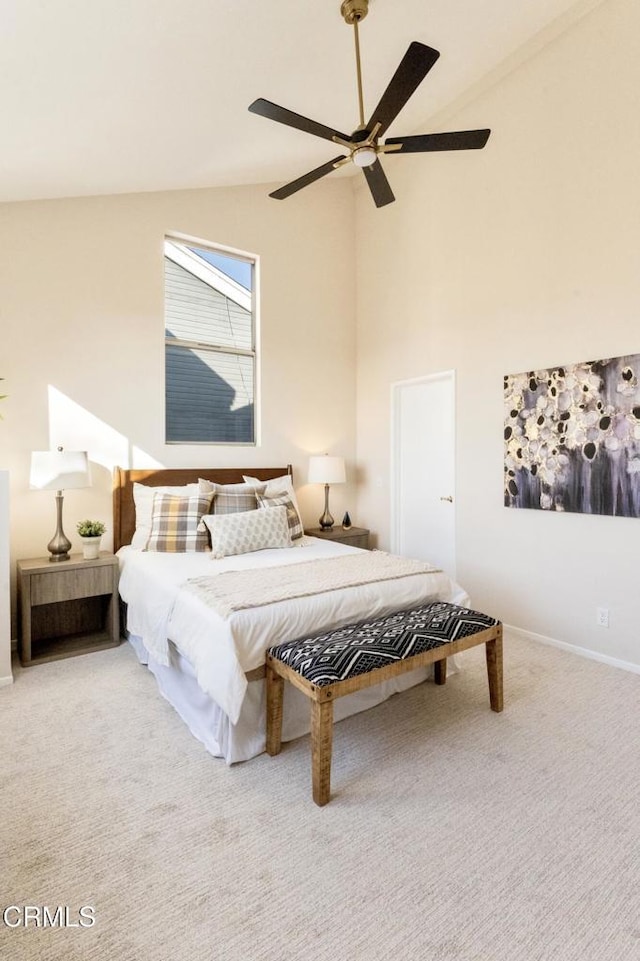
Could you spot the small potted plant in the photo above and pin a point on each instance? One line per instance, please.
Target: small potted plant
(90, 533)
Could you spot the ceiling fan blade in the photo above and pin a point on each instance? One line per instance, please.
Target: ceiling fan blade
(456, 140)
(291, 188)
(378, 184)
(414, 66)
(280, 114)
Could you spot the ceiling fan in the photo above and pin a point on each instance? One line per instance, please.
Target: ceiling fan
(364, 143)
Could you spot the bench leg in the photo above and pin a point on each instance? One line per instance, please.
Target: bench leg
(440, 671)
(275, 691)
(321, 744)
(494, 672)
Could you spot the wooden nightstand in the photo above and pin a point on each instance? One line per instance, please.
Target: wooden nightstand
(355, 536)
(67, 608)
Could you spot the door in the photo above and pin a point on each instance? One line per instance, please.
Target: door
(423, 470)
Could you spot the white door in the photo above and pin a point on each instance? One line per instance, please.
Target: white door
(423, 470)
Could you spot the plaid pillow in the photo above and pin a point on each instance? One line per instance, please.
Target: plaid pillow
(231, 498)
(176, 523)
(143, 500)
(293, 518)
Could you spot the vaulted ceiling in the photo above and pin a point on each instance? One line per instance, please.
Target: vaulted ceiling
(101, 97)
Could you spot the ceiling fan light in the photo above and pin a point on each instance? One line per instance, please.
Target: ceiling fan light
(364, 156)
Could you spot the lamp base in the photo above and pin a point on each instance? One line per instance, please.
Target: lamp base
(326, 521)
(59, 545)
(60, 557)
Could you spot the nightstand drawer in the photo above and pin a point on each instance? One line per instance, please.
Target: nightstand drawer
(67, 585)
(356, 540)
(353, 536)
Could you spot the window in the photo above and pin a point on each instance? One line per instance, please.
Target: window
(210, 346)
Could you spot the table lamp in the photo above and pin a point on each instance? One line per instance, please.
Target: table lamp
(58, 470)
(326, 470)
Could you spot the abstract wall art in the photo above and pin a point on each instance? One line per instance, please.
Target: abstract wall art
(572, 438)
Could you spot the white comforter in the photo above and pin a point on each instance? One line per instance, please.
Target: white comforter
(222, 650)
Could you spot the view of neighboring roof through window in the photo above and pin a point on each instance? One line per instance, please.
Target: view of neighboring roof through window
(210, 351)
(239, 270)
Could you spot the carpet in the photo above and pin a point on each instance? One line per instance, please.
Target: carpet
(453, 833)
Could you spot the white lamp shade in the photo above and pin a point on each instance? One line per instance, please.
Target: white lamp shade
(327, 470)
(57, 470)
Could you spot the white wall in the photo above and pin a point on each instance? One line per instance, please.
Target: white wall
(81, 315)
(521, 256)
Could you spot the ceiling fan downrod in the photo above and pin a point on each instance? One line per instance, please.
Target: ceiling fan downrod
(353, 11)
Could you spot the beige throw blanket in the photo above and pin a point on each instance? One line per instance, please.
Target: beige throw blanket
(238, 590)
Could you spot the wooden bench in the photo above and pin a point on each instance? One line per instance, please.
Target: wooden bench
(330, 664)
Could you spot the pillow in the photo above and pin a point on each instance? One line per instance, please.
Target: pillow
(248, 531)
(143, 499)
(275, 487)
(231, 498)
(176, 523)
(293, 518)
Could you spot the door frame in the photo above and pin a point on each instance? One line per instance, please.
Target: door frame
(396, 389)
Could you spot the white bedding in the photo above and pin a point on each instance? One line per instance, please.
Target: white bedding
(221, 651)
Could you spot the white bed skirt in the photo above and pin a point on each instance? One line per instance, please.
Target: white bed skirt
(246, 739)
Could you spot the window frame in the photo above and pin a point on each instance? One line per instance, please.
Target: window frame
(179, 241)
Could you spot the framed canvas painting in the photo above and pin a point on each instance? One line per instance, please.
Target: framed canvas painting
(572, 438)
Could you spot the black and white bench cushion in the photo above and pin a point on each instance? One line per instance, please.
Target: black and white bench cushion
(336, 655)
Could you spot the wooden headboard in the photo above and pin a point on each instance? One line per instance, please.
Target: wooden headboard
(124, 512)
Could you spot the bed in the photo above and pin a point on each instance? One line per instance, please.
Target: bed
(207, 659)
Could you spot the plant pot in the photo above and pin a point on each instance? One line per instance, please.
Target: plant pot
(90, 548)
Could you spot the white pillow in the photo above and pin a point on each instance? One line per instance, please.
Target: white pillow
(248, 531)
(143, 499)
(278, 485)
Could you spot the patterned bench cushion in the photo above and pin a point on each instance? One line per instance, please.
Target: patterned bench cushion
(336, 655)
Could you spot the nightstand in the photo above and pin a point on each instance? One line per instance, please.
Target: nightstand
(67, 608)
(354, 537)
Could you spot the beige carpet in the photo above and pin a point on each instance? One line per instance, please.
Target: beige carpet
(454, 834)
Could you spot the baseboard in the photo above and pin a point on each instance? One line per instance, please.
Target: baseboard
(574, 649)
(5, 681)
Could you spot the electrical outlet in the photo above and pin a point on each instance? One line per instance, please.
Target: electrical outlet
(602, 616)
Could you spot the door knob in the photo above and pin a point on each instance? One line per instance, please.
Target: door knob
(449, 499)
